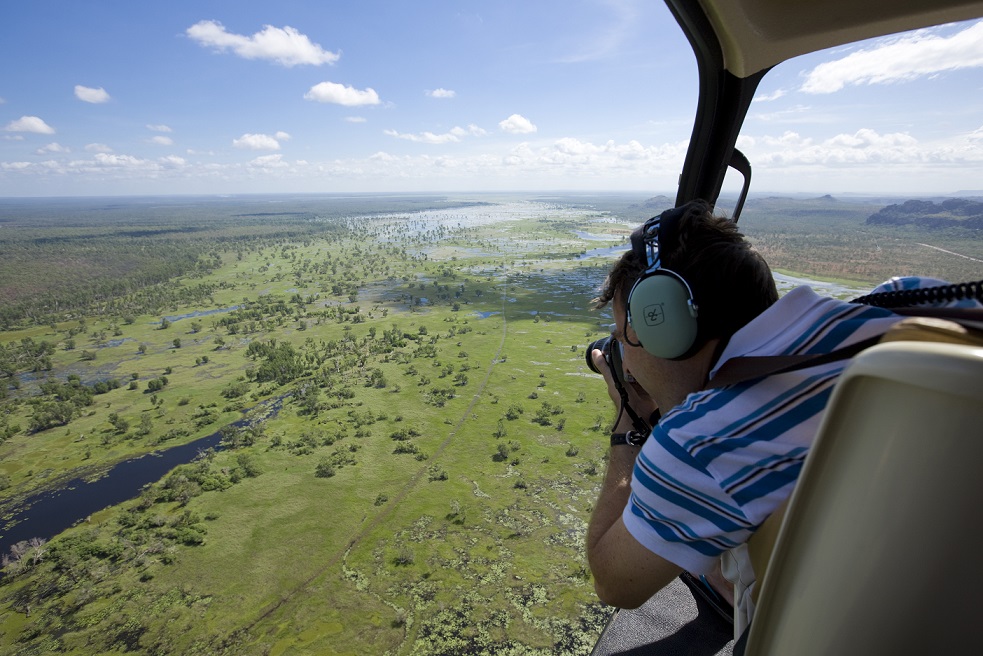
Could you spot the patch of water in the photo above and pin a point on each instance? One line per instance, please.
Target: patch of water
(589, 236)
(49, 513)
(836, 290)
(610, 251)
(115, 342)
(197, 313)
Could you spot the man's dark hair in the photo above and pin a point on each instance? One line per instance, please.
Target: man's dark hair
(731, 283)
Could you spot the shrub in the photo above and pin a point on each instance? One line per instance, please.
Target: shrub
(325, 470)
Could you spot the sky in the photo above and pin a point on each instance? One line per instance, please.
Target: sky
(117, 97)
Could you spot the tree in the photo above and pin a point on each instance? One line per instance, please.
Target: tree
(502, 453)
(120, 424)
(324, 469)
(156, 384)
(246, 463)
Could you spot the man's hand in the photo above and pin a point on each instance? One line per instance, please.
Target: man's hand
(639, 400)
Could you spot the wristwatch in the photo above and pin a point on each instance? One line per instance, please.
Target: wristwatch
(634, 438)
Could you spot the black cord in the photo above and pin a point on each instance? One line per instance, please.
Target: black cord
(640, 424)
(908, 297)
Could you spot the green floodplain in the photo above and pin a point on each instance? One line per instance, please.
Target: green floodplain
(423, 482)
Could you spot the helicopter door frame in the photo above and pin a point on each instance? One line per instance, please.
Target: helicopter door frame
(721, 108)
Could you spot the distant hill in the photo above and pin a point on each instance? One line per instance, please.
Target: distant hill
(648, 208)
(951, 213)
(659, 203)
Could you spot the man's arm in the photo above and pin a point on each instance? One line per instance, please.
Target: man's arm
(625, 573)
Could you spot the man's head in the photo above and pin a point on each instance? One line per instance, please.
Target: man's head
(730, 283)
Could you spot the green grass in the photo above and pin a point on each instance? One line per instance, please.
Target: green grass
(488, 553)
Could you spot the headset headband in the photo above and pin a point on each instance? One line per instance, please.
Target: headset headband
(645, 243)
(661, 229)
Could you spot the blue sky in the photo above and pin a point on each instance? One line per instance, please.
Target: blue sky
(212, 97)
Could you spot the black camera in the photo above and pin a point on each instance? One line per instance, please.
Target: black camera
(612, 350)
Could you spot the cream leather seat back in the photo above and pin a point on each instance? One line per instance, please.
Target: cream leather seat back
(880, 551)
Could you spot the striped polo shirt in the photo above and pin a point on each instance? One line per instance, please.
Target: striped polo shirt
(718, 464)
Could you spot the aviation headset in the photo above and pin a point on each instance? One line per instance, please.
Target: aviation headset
(660, 307)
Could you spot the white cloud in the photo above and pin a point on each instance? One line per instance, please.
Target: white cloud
(53, 147)
(281, 136)
(90, 95)
(2, 101)
(425, 137)
(453, 135)
(256, 142)
(285, 46)
(442, 93)
(768, 97)
(864, 148)
(173, 161)
(900, 59)
(355, 119)
(161, 140)
(29, 124)
(339, 94)
(268, 162)
(106, 160)
(98, 148)
(517, 124)
(472, 130)
(159, 128)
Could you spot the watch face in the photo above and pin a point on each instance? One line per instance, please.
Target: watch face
(634, 438)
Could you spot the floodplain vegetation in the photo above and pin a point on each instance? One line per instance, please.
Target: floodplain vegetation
(410, 440)
(422, 488)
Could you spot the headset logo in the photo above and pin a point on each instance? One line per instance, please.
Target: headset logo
(654, 314)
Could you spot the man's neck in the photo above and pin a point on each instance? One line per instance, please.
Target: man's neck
(688, 376)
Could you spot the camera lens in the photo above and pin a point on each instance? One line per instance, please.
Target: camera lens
(604, 345)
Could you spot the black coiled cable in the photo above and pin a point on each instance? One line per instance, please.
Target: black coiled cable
(909, 297)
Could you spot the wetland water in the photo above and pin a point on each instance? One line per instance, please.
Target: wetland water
(48, 513)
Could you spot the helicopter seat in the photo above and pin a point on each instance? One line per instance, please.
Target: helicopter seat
(884, 509)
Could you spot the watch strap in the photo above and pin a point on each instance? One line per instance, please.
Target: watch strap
(633, 438)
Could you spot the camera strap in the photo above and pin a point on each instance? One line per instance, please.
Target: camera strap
(640, 424)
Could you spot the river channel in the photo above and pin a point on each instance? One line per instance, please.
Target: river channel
(48, 513)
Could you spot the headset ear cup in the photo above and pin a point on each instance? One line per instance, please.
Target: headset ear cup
(663, 314)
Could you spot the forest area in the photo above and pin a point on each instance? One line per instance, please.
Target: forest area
(394, 440)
